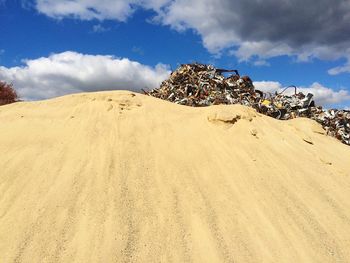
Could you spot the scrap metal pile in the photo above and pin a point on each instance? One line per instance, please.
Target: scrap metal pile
(203, 85)
(335, 122)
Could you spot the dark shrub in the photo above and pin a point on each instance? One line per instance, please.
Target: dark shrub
(7, 93)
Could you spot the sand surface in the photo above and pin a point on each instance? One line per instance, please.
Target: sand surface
(122, 177)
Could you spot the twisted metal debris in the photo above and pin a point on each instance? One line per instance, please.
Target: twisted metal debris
(200, 85)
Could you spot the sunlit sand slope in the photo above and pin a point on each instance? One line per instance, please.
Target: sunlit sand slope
(122, 177)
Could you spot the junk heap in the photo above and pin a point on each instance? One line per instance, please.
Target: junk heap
(200, 85)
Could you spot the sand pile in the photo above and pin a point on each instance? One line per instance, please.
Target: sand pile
(123, 177)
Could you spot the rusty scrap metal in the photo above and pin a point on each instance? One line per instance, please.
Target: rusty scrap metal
(335, 122)
(201, 85)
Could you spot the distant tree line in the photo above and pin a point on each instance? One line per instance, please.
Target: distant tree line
(7, 93)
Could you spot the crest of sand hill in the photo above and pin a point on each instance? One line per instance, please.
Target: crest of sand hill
(119, 176)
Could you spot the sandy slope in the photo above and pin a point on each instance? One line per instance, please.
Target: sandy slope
(119, 177)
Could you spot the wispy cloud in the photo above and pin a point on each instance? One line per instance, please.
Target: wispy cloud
(341, 69)
(100, 29)
(137, 50)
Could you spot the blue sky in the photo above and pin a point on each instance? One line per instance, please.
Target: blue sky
(50, 48)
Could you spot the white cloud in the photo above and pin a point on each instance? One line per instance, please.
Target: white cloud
(87, 9)
(323, 96)
(326, 96)
(264, 49)
(340, 69)
(71, 72)
(119, 10)
(100, 29)
(261, 63)
(268, 86)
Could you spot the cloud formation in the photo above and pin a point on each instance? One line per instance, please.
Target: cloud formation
(266, 28)
(71, 72)
(86, 9)
(323, 96)
(100, 29)
(253, 30)
(341, 69)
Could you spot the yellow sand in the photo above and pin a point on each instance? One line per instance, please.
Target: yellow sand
(119, 177)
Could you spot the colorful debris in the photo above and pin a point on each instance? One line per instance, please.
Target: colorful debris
(201, 85)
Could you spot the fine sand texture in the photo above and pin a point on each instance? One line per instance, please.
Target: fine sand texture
(122, 177)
